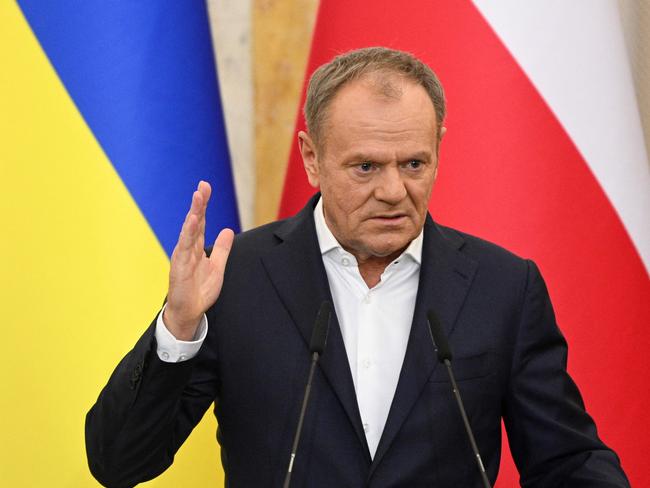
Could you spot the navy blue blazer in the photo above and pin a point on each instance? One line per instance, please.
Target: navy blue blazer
(509, 360)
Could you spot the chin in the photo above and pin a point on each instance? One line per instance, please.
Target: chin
(383, 249)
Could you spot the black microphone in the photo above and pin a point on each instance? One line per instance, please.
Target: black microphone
(444, 356)
(316, 348)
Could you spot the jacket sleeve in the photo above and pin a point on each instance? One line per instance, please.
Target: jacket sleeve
(145, 412)
(552, 438)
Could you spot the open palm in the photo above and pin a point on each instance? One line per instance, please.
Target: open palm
(195, 279)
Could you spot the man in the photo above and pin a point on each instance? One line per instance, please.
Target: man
(382, 414)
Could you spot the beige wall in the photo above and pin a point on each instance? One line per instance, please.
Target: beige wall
(282, 33)
(262, 47)
(232, 34)
(635, 16)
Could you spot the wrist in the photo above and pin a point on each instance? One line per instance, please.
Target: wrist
(182, 330)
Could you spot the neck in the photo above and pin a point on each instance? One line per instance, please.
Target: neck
(371, 267)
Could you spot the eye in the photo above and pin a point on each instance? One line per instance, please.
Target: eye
(414, 164)
(365, 167)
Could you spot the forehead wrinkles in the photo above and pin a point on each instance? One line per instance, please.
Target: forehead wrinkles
(383, 85)
(381, 129)
(387, 146)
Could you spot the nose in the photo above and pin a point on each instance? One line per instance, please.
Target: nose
(390, 186)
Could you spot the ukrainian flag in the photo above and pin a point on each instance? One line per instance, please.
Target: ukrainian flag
(109, 116)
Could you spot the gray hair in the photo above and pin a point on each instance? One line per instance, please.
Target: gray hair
(328, 79)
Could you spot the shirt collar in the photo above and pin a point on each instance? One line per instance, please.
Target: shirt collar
(327, 242)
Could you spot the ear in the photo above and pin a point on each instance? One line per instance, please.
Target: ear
(309, 158)
(443, 130)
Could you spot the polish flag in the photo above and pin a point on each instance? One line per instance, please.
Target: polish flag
(544, 155)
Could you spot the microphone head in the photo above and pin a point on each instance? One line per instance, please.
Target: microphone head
(321, 328)
(438, 336)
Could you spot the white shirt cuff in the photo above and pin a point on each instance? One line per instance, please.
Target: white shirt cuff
(170, 349)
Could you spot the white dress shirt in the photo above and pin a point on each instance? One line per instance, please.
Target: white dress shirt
(375, 324)
(170, 349)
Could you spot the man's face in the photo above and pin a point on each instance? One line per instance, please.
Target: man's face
(376, 166)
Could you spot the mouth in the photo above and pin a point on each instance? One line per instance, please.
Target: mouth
(390, 219)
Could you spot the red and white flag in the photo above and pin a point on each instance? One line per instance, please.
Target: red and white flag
(544, 155)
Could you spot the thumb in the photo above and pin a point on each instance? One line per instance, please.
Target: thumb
(221, 248)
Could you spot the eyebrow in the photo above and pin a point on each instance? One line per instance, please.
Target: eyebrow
(418, 155)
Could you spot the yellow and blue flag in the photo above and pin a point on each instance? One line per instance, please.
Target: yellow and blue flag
(109, 116)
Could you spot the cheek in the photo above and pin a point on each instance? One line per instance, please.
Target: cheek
(419, 193)
(348, 197)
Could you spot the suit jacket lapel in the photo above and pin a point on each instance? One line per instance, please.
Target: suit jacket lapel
(296, 270)
(445, 278)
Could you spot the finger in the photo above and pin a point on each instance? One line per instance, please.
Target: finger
(221, 249)
(187, 238)
(199, 242)
(198, 205)
(205, 190)
(202, 224)
(195, 208)
(200, 233)
(191, 222)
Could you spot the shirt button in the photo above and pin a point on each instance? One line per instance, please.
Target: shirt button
(366, 363)
(182, 357)
(165, 355)
(345, 262)
(366, 428)
(366, 299)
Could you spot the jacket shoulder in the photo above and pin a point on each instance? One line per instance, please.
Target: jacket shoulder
(482, 250)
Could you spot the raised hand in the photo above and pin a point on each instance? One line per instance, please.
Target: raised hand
(195, 279)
